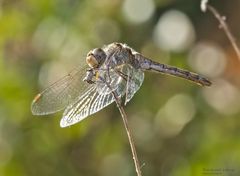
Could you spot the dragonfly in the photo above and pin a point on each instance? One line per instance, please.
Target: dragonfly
(89, 88)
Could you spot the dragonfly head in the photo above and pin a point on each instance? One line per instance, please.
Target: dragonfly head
(95, 58)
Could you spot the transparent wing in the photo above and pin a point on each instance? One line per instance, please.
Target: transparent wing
(61, 93)
(90, 102)
(134, 80)
(116, 82)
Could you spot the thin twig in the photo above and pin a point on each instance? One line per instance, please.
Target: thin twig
(128, 130)
(129, 134)
(221, 19)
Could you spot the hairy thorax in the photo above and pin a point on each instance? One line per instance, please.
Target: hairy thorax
(119, 54)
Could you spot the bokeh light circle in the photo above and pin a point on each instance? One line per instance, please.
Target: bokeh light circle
(177, 112)
(207, 59)
(138, 11)
(223, 97)
(174, 31)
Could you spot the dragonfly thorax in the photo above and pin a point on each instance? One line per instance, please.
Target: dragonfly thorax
(95, 58)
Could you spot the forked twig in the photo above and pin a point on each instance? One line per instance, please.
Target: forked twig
(205, 6)
(128, 130)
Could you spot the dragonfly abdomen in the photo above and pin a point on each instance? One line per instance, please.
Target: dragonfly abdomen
(148, 64)
(194, 77)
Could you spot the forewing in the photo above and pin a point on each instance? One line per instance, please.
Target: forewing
(89, 103)
(61, 93)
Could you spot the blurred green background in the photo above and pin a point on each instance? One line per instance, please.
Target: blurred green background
(180, 129)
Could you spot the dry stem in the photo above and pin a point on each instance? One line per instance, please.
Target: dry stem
(129, 133)
(225, 27)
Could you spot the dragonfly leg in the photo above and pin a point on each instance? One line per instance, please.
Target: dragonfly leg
(122, 75)
(127, 78)
(89, 76)
(108, 74)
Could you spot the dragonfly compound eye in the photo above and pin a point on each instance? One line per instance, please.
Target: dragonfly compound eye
(92, 61)
(96, 58)
(100, 55)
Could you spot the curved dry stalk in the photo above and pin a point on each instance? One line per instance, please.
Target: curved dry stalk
(205, 6)
(129, 134)
(128, 130)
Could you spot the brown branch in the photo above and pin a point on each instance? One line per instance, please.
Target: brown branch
(223, 25)
(129, 134)
(128, 130)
